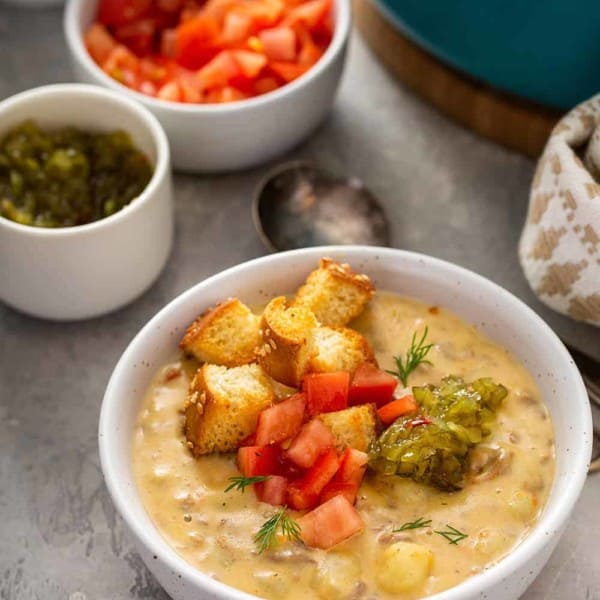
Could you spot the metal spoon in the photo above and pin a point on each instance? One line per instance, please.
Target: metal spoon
(297, 205)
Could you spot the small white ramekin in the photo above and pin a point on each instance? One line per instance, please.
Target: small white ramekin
(493, 310)
(71, 273)
(237, 135)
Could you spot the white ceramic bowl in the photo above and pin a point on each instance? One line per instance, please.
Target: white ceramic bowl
(228, 137)
(78, 272)
(493, 310)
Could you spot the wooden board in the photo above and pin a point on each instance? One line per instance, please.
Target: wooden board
(517, 124)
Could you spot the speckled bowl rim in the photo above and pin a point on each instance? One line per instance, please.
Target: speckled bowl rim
(545, 531)
(343, 21)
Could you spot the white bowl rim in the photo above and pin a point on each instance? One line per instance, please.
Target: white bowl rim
(555, 514)
(159, 137)
(75, 42)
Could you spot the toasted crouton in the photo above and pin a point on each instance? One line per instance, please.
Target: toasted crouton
(223, 406)
(286, 334)
(334, 293)
(354, 427)
(338, 349)
(224, 335)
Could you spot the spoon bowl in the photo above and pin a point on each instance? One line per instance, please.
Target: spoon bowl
(298, 205)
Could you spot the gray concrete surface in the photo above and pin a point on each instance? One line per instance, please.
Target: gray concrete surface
(448, 193)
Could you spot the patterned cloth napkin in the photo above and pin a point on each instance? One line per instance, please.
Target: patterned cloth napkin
(560, 243)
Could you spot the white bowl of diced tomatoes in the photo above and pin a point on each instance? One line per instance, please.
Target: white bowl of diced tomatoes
(234, 83)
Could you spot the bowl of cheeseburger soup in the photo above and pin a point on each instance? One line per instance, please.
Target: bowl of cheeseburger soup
(345, 422)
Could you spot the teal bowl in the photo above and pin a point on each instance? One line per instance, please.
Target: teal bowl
(547, 52)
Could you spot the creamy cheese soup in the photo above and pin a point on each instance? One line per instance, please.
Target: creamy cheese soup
(214, 530)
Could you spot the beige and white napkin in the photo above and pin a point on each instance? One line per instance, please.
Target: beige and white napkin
(560, 244)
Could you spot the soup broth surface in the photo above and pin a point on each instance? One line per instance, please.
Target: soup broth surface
(214, 530)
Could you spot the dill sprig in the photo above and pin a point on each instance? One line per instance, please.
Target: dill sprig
(415, 356)
(453, 535)
(239, 482)
(267, 535)
(420, 522)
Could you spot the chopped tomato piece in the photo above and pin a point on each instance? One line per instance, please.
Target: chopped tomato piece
(279, 43)
(99, 42)
(329, 524)
(219, 71)
(326, 392)
(137, 36)
(272, 490)
(304, 492)
(236, 28)
(311, 13)
(353, 464)
(170, 91)
(196, 42)
(281, 421)
(263, 14)
(334, 488)
(288, 71)
(169, 6)
(120, 12)
(371, 385)
(250, 63)
(225, 94)
(392, 410)
(314, 438)
(168, 43)
(120, 58)
(265, 85)
(257, 460)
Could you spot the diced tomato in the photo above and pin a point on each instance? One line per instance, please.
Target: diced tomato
(236, 28)
(304, 493)
(250, 63)
(224, 94)
(99, 42)
(190, 88)
(265, 85)
(281, 421)
(353, 464)
(326, 392)
(371, 385)
(334, 488)
(168, 43)
(219, 71)
(288, 71)
(239, 48)
(264, 13)
(311, 13)
(121, 12)
(279, 43)
(329, 524)
(272, 490)
(314, 438)
(170, 91)
(148, 88)
(120, 58)
(169, 6)
(196, 42)
(257, 460)
(392, 410)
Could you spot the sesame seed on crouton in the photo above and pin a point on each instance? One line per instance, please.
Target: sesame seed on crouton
(338, 349)
(354, 427)
(224, 405)
(286, 334)
(224, 335)
(334, 293)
